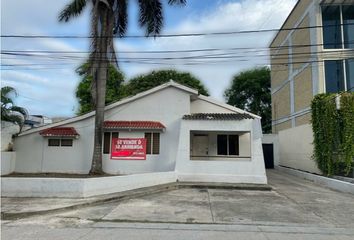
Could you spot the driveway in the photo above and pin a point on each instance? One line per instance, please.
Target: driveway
(295, 208)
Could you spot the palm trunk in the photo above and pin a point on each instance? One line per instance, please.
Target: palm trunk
(101, 79)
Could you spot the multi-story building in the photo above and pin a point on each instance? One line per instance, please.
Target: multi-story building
(312, 53)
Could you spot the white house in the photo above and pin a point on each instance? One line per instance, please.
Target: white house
(168, 128)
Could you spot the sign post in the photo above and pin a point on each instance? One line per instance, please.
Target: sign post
(128, 149)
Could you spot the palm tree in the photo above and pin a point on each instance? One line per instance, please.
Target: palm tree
(109, 18)
(9, 111)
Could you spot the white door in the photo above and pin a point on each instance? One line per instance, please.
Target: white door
(200, 145)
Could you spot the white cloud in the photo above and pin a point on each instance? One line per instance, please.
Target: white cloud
(232, 16)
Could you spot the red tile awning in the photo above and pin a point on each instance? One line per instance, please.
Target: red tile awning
(133, 125)
(59, 132)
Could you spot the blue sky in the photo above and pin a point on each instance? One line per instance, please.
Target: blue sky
(49, 89)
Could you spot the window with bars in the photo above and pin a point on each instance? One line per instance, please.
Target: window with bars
(152, 143)
(56, 142)
(107, 141)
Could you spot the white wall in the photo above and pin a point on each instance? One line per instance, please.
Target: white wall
(273, 139)
(202, 106)
(235, 171)
(296, 149)
(34, 155)
(166, 106)
(8, 160)
(7, 130)
(80, 187)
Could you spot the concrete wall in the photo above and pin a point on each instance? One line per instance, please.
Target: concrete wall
(296, 149)
(236, 170)
(201, 106)
(34, 154)
(167, 106)
(8, 161)
(8, 129)
(80, 188)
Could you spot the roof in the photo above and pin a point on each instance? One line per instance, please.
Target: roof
(218, 116)
(133, 125)
(115, 104)
(59, 132)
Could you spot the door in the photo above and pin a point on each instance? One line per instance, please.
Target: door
(268, 155)
(200, 145)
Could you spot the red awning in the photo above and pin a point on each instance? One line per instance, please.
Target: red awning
(133, 125)
(59, 132)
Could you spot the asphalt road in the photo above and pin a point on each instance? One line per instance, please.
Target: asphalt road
(294, 209)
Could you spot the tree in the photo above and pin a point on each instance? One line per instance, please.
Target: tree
(155, 78)
(114, 90)
(9, 111)
(250, 90)
(109, 18)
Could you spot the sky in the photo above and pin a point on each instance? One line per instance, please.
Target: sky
(46, 83)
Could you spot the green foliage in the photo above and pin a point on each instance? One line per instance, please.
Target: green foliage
(114, 87)
(156, 78)
(9, 111)
(250, 90)
(333, 132)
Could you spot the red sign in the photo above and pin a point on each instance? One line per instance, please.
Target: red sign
(128, 149)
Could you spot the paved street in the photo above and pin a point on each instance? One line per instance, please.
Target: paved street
(294, 209)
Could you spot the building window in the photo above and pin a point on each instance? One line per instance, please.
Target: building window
(348, 25)
(107, 141)
(53, 142)
(349, 67)
(339, 75)
(338, 28)
(66, 142)
(152, 143)
(60, 142)
(228, 145)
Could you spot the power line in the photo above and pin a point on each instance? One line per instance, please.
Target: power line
(176, 35)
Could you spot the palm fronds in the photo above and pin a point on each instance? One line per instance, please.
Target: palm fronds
(151, 16)
(73, 9)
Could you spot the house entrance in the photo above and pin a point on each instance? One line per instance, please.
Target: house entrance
(268, 155)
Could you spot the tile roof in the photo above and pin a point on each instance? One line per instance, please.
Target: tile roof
(133, 125)
(59, 132)
(217, 116)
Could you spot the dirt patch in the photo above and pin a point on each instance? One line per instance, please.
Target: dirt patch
(57, 175)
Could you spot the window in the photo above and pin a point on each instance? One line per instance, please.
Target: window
(107, 136)
(152, 143)
(228, 144)
(66, 142)
(348, 25)
(53, 142)
(349, 67)
(334, 76)
(338, 28)
(339, 75)
(60, 142)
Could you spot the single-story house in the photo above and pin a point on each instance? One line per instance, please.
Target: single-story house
(168, 128)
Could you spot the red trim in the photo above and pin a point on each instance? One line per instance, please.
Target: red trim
(59, 132)
(133, 125)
